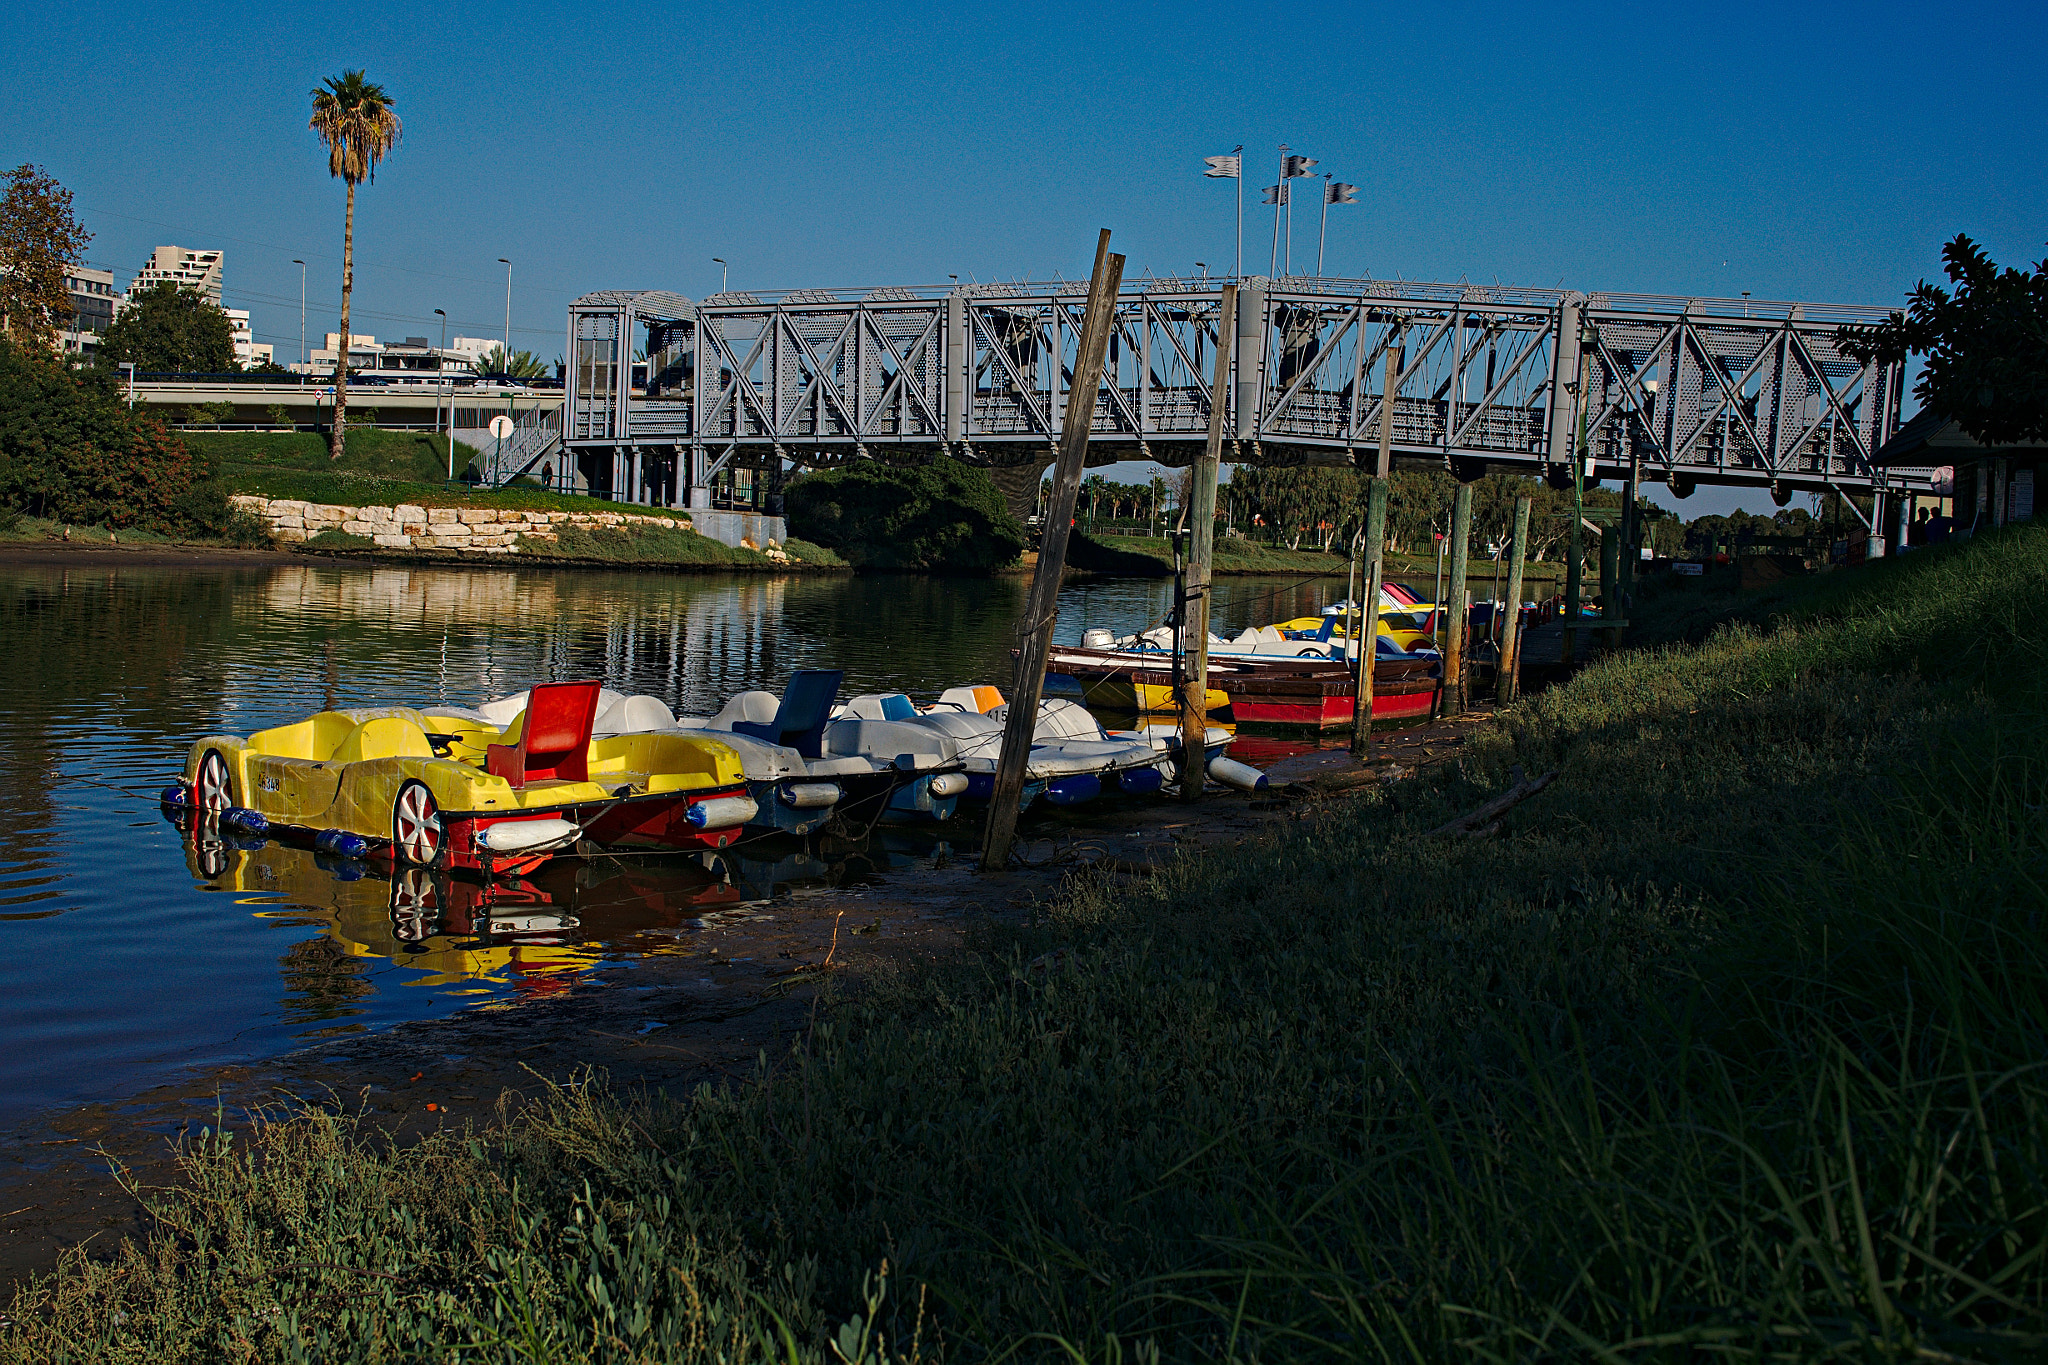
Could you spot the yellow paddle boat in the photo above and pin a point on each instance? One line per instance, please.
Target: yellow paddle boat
(450, 791)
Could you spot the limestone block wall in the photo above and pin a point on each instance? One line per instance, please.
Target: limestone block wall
(473, 530)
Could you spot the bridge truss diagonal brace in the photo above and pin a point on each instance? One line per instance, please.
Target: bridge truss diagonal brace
(1704, 357)
(900, 384)
(1027, 394)
(1534, 348)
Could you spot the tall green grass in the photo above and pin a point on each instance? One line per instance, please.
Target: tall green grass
(1730, 1045)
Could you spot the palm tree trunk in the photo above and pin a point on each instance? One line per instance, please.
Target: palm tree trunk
(348, 280)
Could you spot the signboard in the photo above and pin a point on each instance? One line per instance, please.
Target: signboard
(1689, 569)
(501, 426)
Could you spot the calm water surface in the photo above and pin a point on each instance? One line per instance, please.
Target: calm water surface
(130, 949)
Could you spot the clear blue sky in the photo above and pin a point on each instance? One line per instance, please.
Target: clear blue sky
(1797, 151)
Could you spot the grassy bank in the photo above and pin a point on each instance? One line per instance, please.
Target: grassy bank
(1731, 1041)
(377, 467)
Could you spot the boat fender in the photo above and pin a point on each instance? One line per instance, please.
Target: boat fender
(175, 795)
(342, 843)
(948, 784)
(527, 836)
(1072, 791)
(1232, 773)
(721, 812)
(808, 795)
(238, 817)
(1140, 780)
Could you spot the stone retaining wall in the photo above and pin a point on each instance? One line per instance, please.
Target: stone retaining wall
(475, 530)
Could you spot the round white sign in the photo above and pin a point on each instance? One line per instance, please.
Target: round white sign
(501, 426)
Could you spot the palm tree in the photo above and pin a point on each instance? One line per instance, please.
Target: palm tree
(355, 119)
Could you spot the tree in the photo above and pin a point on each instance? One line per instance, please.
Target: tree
(38, 239)
(171, 329)
(71, 449)
(522, 365)
(1986, 345)
(944, 517)
(356, 121)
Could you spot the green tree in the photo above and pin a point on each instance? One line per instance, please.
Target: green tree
(522, 365)
(356, 120)
(170, 328)
(944, 517)
(38, 239)
(71, 449)
(1986, 345)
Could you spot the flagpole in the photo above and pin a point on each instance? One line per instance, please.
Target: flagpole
(1279, 195)
(1239, 154)
(1323, 233)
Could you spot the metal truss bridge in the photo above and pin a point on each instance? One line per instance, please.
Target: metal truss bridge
(664, 394)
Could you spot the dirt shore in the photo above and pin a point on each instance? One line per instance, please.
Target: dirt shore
(738, 992)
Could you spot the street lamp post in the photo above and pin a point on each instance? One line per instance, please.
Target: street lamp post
(723, 271)
(302, 311)
(507, 354)
(441, 362)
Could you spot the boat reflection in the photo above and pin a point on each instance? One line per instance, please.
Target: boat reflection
(514, 936)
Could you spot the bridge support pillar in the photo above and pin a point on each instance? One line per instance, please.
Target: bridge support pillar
(1251, 357)
(1018, 483)
(956, 368)
(1564, 381)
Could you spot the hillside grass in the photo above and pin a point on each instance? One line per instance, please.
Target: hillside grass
(1732, 1043)
(377, 468)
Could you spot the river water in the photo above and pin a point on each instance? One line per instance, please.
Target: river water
(131, 949)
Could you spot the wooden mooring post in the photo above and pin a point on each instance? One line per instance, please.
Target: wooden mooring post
(1194, 687)
(1365, 636)
(1456, 612)
(1510, 666)
(1040, 609)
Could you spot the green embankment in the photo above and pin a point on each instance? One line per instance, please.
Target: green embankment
(387, 468)
(1730, 1043)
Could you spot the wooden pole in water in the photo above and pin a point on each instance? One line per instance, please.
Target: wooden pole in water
(1194, 690)
(1610, 580)
(1043, 604)
(1511, 628)
(1366, 638)
(1456, 611)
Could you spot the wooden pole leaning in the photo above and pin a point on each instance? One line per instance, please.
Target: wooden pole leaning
(1035, 632)
(1366, 638)
(1510, 668)
(1194, 694)
(1456, 612)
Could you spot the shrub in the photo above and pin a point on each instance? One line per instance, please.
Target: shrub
(72, 450)
(944, 517)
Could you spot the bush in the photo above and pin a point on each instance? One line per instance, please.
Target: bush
(944, 517)
(73, 451)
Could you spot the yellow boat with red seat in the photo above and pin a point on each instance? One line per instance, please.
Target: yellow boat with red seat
(447, 791)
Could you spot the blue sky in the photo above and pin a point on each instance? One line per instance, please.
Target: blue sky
(1816, 151)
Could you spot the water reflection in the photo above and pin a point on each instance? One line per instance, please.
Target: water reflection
(123, 951)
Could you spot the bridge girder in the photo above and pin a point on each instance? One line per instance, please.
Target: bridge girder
(1686, 390)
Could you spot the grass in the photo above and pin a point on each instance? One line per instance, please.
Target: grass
(390, 468)
(1732, 1043)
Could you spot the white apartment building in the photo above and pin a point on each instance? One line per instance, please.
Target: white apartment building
(247, 352)
(92, 308)
(201, 270)
(413, 359)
